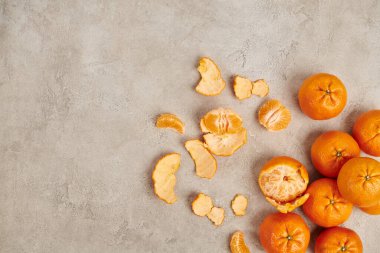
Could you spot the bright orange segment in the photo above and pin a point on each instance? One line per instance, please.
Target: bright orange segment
(164, 178)
(237, 243)
(221, 121)
(274, 116)
(168, 120)
(211, 83)
(283, 181)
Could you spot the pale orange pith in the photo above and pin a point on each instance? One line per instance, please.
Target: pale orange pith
(283, 181)
(274, 116)
(202, 205)
(211, 83)
(260, 88)
(239, 205)
(237, 243)
(168, 120)
(164, 178)
(205, 163)
(216, 215)
(224, 131)
(242, 87)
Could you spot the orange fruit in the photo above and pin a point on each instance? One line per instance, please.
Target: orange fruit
(164, 178)
(237, 243)
(211, 83)
(359, 181)
(168, 120)
(284, 233)
(374, 210)
(338, 239)
(274, 116)
(325, 206)
(331, 150)
(322, 96)
(283, 181)
(366, 131)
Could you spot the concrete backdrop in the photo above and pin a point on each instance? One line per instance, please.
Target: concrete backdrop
(81, 83)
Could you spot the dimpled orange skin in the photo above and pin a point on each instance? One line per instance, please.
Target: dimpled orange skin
(366, 131)
(359, 181)
(322, 96)
(331, 150)
(284, 233)
(325, 206)
(373, 210)
(338, 239)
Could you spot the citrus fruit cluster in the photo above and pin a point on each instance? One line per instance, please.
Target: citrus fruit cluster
(349, 180)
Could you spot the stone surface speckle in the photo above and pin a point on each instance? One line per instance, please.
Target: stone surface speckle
(81, 83)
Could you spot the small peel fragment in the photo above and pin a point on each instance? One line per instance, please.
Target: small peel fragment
(168, 120)
(211, 83)
(289, 206)
(164, 179)
(239, 205)
(225, 144)
(242, 87)
(274, 116)
(205, 163)
(260, 88)
(216, 215)
(245, 88)
(202, 205)
(237, 243)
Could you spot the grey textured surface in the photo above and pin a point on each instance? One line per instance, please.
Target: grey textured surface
(81, 83)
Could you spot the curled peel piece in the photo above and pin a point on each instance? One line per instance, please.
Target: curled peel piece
(221, 121)
(225, 144)
(216, 215)
(283, 181)
(242, 87)
(168, 120)
(164, 177)
(274, 116)
(202, 205)
(237, 243)
(239, 205)
(290, 206)
(205, 163)
(211, 83)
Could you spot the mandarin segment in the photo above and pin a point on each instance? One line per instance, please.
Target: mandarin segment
(168, 120)
(242, 87)
(239, 205)
(326, 207)
(205, 163)
(221, 121)
(202, 205)
(283, 181)
(260, 88)
(274, 116)
(216, 215)
(211, 83)
(164, 178)
(366, 131)
(237, 243)
(225, 144)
